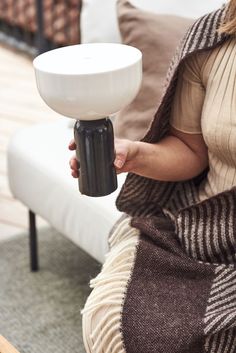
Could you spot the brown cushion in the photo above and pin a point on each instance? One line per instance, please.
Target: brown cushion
(157, 36)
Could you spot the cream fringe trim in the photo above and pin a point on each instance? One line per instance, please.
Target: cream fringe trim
(109, 292)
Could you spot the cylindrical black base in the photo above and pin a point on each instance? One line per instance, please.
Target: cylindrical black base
(95, 152)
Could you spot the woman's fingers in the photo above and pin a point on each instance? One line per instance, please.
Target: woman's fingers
(74, 165)
(75, 174)
(72, 145)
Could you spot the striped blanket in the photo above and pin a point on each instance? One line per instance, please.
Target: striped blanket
(169, 281)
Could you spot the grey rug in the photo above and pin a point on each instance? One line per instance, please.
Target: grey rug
(40, 312)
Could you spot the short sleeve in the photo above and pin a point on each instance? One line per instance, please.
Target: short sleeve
(189, 97)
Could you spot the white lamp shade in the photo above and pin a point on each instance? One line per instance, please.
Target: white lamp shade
(89, 81)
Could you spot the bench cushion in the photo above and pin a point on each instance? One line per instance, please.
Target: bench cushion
(39, 176)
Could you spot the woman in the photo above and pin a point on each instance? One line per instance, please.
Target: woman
(169, 281)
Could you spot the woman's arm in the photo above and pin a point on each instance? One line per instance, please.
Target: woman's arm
(183, 154)
(179, 156)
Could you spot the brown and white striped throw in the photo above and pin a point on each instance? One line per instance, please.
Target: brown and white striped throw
(168, 284)
(181, 293)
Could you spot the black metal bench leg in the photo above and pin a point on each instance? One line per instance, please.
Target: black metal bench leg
(33, 242)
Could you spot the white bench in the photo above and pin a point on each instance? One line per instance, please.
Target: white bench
(39, 176)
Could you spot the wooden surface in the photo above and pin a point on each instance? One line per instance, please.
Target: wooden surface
(6, 347)
(20, 106)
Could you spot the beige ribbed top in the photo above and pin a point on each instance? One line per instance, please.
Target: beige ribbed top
(205, 102)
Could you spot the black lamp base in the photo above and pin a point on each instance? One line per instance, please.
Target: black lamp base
(95, 151)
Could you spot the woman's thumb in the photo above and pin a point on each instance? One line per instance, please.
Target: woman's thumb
(120, 159)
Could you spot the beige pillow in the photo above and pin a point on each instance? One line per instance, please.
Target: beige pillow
(157, 36)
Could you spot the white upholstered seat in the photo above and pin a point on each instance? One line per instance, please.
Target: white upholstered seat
(39, 176)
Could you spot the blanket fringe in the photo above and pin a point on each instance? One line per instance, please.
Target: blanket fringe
(103, 309)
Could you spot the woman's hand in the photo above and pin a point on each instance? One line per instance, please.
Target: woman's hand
(74, 163)
(126, 152)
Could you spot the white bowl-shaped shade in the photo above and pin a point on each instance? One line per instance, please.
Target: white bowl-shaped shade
(89, 81)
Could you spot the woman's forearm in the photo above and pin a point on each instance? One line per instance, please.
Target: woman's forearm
(177, 157)
(169, 160)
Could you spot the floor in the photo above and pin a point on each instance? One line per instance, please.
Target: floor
(20, 106)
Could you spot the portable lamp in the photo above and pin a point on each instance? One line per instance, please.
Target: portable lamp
(90, 82)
